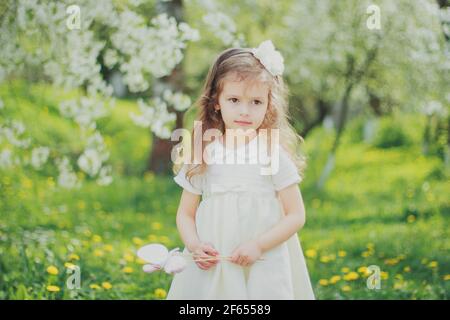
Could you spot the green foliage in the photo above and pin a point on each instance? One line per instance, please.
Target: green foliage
(390, 133)
(384, 207)
(37, 106)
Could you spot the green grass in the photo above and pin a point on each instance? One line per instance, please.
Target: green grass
(383, 207)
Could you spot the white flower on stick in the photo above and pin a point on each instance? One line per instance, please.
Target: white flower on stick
(159, 258)
(270, 58)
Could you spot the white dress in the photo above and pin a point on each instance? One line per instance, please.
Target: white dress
(239, 203)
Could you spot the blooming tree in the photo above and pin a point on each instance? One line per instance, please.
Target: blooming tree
(350, 54)
(65, 43)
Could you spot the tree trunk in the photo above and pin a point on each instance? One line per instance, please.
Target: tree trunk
(160, 161)
(329, 166)
(323, 108)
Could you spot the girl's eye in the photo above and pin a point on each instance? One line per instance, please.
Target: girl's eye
(234, 100)
(258, 102)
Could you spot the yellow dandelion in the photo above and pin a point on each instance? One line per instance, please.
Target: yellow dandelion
(447, 277)
(342, 253)
(52, 270)
(391, 262)
(106, 285)
(351, 276)
(87, 232)
(165, 240)
(53, 288)
(407, 269)
(362, 269)
(50, 182)
(346, 288)
(366, 254)
(128, 257)
(160, 293)
(384, 275)
(433, 264)
(94, 286)
(96, 238)
(98, 253)
(345, 269)
(127, 270)
(323, 282)
(411, 218)
(370, 246)
(152, 237)
(73, 256)
(69, 265)
(80, 175)
(108, 247)
(335, 279)
(311, 253)
(137, 241)
(27, 183)
(324, 259)
(156, 226)
(399, 285)
(81, 205)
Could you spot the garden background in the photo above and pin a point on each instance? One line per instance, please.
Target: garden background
(90, 92)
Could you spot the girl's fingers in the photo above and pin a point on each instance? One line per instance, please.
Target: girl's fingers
(210, 251)
(202, 266)
(243, 261)
(204, 261)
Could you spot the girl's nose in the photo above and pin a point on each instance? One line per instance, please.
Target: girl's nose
(244, 109)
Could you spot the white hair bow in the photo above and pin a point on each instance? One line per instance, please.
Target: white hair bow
(270, 58)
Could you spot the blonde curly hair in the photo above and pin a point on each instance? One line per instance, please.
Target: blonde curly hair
(241, 64)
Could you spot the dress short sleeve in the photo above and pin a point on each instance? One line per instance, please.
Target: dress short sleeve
(194, 186)
(287, 172)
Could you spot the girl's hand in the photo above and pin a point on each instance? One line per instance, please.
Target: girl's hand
(247, 253)
(205, 250)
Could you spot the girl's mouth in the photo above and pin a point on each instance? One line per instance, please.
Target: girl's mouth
(243, 123)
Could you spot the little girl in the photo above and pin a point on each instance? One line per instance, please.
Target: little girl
(242, 235)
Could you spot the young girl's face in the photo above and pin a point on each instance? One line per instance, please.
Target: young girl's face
(243, 104)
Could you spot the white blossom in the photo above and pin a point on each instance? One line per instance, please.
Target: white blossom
(6, 159)
(12, 131)
(90, 162)
(178, 100)
(111, 58)
(67, 178)
(188, 33)
(104, 176)
(224, 28)
(434, 108)
(154, 116)
(39, 156)
(154, 50)
(85, 110)
(94, 155)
